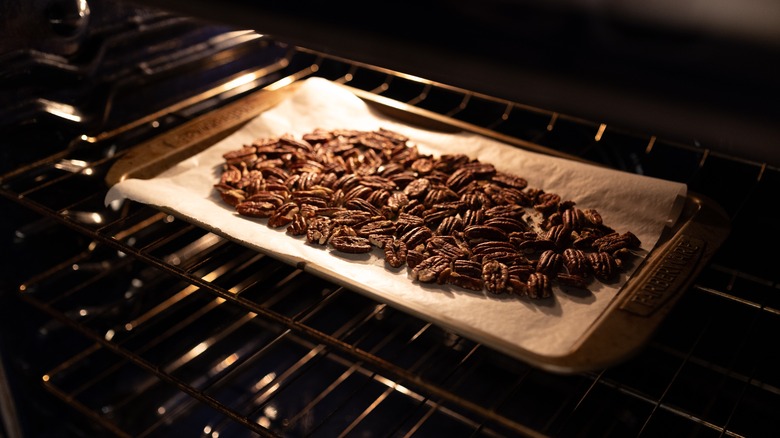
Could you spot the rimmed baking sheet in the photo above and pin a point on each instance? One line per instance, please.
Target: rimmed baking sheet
(547, 333)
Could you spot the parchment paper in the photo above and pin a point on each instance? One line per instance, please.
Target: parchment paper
(627, 202)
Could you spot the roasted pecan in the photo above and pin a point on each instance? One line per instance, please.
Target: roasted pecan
(374, 141)
(439, 193)
(560, 235)
(539, 285)
(380, 240)
(350, 244)
(467, 268)
(508, 180)
(395, 253)
(460, 178)
(438, 245)
(378, 182)
(593, 216)
(246, 155)
(353, 218)
(416, 236)
(508, 224)
(275, 198)
(431, 269)
(495, 276)
(256, 209)
(283, 215)
(433, 218)
(572, 280)
(574, 218)
(422, 166)
(576, 262)
(515, 285)
(449, 162)
(386, 227)
(318, 230)
(449, 226)
(547, 203)
(549, 262)
(233, 197)
(318, 136)
(481, 233)
(522, 270)
(417, 188)
(414, 207)
(583, 240)
(508, 258)
(231, 175)
(506, 211)
(289, 139)
(486, 247)
(298, 225)
(603, 265)
(413, 257)
(347, 182)
(407, 222)
(397, 201)
(341, 231)
(358, 192)
(613, 242)
(473, 217)
(402, 179)
(481, 170)
(475, 200)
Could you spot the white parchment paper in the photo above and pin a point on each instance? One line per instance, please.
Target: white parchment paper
(627, 202)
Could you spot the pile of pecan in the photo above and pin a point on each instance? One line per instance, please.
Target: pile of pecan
(449, 219)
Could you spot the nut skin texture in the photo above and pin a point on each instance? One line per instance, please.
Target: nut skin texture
(495, 276)
(351, 244)
(549, 262)
(395, 253)
(318, 230)
(256, 209)
(604, 266)
(576, 263)
(431, 269)
(298, 225)
(539, 285)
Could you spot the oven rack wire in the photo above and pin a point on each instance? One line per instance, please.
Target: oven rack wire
(184, 324)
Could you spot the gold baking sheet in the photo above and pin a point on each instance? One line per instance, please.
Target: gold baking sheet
(574, 331)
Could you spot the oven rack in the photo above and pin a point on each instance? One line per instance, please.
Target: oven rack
(132, 266)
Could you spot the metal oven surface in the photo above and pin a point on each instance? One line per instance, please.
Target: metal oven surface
(130, 322)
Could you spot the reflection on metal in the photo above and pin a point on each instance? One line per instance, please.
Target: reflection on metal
(65, 111)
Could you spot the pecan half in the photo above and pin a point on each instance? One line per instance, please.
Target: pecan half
(298, 225)
(432, 269)
(604, 265)
(256, 209)
(351, 244)
(576, 262)
(495, 276)
(539, 285)
(549, 262)
(319, 229)
(395, 253)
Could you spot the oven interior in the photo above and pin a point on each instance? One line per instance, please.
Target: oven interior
(123, 320)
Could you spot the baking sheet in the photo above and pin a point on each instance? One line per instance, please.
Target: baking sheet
(548, 328)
